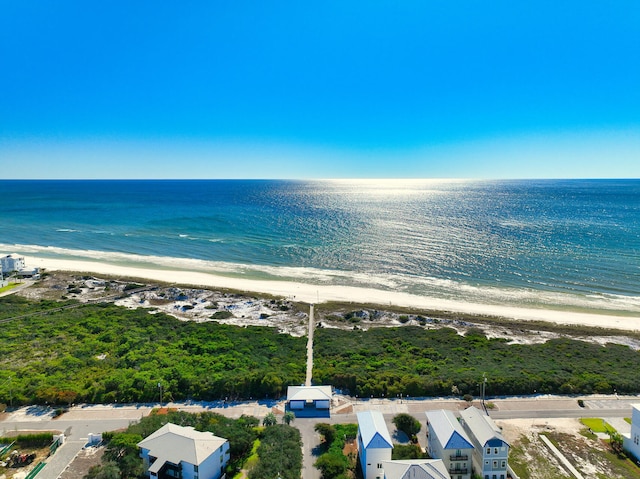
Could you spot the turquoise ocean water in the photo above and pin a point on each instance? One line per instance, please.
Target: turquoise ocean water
(561, 244)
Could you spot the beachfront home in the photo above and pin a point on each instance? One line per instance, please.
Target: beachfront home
(374, 444)
(182, 452)
(631, 441)
(491, 451)
(447, 440)
(11, 263)
(312, 400)
(415, 469)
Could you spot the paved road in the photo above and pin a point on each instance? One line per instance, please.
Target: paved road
(310, 442)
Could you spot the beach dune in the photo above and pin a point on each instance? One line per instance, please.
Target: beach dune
(310, 293)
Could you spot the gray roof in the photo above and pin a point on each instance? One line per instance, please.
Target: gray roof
(448, 430)
(308, 393)
(418, 468)
(370, 425)
(176, 444)
(481, 426)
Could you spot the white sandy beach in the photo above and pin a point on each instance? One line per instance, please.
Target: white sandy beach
(322, 293)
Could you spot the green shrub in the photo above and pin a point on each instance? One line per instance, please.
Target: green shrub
(407, 424)
(30, 440)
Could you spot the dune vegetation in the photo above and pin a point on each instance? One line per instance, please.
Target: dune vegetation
(101, 353)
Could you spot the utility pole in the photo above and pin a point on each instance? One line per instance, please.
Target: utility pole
(484, 388)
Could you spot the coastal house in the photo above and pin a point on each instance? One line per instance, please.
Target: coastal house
(447, 440)
(631, 441)
(415, 469)
(11, 263)
(374, 444)
(313, 400)
(182, 452)
(491, 450)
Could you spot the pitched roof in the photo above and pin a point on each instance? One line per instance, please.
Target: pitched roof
(415, 468)
(448, 430)
(176, 444)
(481, 426)
(308, 393)
(373, 430)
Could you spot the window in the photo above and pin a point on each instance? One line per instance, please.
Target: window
(495, 464)
(379, 465)
(501, 476)
(488, 450)
(503, 464)
(495, 450)
(195, 468)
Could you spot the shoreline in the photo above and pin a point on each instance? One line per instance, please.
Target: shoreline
(318, 294)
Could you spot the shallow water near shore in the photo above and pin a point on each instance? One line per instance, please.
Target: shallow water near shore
(571, 245)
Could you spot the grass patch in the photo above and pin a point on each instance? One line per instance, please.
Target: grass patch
(597, 424)
(251, 461)
(588, 433)
(9, 287)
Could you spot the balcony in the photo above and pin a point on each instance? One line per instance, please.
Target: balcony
(461, 457)
(453, 472)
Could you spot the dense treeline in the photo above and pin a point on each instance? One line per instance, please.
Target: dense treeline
(417, 362)
(104, 353)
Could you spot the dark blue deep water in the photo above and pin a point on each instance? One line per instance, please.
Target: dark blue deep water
(571, 244)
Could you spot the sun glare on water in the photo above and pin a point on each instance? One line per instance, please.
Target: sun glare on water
(396, 186)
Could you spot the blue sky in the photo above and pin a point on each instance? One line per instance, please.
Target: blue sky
(222, 89)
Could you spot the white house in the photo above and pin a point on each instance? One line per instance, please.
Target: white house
(491, 452)
(374, 444)
(415, 469)
(631, 441)
(316, 397)
(182, 452)
(11, 263)
(447, 440)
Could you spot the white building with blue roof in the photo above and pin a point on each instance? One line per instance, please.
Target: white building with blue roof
(447, 440)
(374, 444)
(491, 451)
